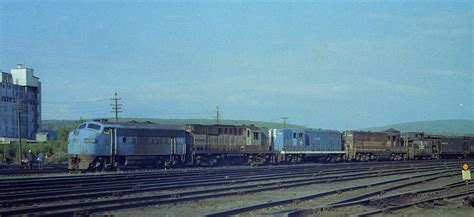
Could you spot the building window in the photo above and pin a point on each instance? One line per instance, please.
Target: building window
(294, 135)
(300, 135)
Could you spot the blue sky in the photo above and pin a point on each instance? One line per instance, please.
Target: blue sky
(325, 64)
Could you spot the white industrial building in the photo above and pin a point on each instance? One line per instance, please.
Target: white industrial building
(20, 93)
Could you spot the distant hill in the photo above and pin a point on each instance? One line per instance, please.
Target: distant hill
(444, 127)
(57, 124)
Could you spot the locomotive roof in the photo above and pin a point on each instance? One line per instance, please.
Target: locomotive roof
(365, 132)
(140, 125)
(222, 125)
(309, 130)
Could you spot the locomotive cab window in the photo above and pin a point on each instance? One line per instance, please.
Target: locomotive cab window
(82, 126)
(93, 126)
(255, 135)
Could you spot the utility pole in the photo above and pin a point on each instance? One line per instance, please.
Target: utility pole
(4, 152)
(218, 115)
(19, 110)
(116, 107)
(284, 121)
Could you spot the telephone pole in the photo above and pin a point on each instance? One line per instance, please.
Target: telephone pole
(218, 115)
(19, 110)
(284, 121)
(116, 107)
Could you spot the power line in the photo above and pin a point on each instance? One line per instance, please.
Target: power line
(116, 107)
(74, 101)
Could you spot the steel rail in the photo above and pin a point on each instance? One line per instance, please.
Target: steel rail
(11, 200)
(316, 195)
(78, 182)
(14, 197)
(369, 197)
(46, 185)
(234, 178)
(118, 203)
(25, 182)
(405, 205)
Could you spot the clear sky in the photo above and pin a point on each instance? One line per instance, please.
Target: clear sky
(325, 64)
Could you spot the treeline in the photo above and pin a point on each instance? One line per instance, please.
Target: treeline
(55, 150)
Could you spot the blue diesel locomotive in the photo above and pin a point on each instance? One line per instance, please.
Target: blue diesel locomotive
(102, 145)
(296, 144)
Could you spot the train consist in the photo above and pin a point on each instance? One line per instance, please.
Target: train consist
(102, 144)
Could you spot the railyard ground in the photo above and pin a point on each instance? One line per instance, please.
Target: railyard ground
(453, 207)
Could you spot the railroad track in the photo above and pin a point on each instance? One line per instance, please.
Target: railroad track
(27, 196)
(108, 192)
(434, 195)
(384, 199)
(344, 202)
(384, 203)
(21, 170)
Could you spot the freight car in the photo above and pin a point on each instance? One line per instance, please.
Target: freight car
(470, 140)
(453, 147)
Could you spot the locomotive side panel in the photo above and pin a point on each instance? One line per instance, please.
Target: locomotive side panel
(323, 140)
(366, 141)
(371, 146)
(289, 139)
(215, 139)
(142, 142)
